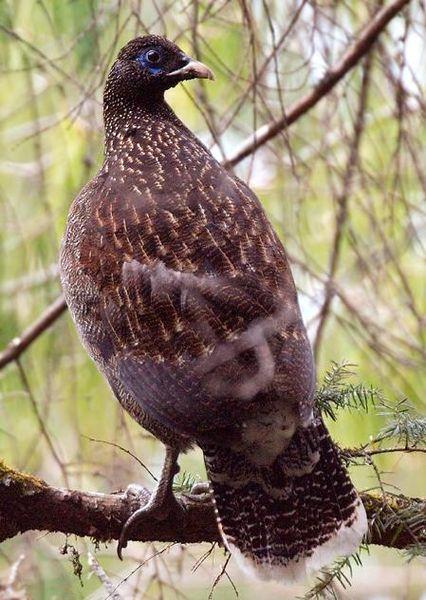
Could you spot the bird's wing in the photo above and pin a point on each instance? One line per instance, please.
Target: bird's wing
(209, 343)
(198, 303)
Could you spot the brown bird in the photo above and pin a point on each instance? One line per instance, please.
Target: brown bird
(183, 296)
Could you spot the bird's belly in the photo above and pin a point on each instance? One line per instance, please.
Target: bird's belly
(266, 434)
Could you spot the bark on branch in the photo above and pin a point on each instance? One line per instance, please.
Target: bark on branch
(28, 503)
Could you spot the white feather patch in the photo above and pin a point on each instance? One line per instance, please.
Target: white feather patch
(344, 541)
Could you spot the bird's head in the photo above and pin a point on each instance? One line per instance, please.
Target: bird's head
(151, 64)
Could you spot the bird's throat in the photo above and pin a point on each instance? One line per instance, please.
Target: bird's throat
(124, 120)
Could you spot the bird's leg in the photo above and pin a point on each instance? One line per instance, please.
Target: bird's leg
(161, 502)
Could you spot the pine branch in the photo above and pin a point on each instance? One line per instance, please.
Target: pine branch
(324, 588)
(337, 393)
(28, 503)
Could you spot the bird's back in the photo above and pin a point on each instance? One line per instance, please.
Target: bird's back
(177, 259)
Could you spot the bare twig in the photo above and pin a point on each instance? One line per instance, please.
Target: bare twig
(123, 449)
(41, 423)
(363, 451)
(219, 577)
(96, 568)
(15, 348)
(342, 205)
(351, 57)
(8, 590)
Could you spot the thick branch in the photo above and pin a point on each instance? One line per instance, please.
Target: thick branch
(27, 503)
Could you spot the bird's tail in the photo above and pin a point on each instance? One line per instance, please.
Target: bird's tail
(290, 520)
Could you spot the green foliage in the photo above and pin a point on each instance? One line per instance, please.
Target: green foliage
(336, 392)
(404, 426)
(341, 572)
(184, 482)
(402, 516)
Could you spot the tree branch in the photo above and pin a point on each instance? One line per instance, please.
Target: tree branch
(359, 48)
(28, 503)
(342, 206)
(15, 348)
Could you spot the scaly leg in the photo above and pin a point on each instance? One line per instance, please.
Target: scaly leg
(161, 502)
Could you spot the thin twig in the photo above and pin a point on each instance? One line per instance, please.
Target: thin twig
(359, 48)
(362, 452)
(15, 348)
(41, 423)
(342, 205)
(123, 449)
(96, 568)
(219, 577)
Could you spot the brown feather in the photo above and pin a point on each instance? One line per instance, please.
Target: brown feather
(183, 296)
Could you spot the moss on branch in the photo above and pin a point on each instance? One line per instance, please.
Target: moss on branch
(28, 503)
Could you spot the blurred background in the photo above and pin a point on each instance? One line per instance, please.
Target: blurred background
(344, 187)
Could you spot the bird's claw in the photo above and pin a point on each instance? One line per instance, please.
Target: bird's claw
(200, 492)
(157, 505)
(137, 493)
(134, 493)
(150, 509)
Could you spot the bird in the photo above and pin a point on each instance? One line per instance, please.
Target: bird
(182, 294)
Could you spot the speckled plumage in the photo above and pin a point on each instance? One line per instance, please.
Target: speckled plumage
(182, 294)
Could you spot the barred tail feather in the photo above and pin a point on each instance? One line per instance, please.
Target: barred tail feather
(286, 537)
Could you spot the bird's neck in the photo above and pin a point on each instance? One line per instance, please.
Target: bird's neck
(123, 119)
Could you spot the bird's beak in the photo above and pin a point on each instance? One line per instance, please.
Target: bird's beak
(192, 70)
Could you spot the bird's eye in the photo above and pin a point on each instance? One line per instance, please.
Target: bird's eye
(153, 56)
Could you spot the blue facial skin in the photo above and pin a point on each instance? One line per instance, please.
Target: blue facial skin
(146, 64)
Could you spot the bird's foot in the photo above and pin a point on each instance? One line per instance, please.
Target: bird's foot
(158, 505)
(200, 492)
(153, 508)
(137, 493)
